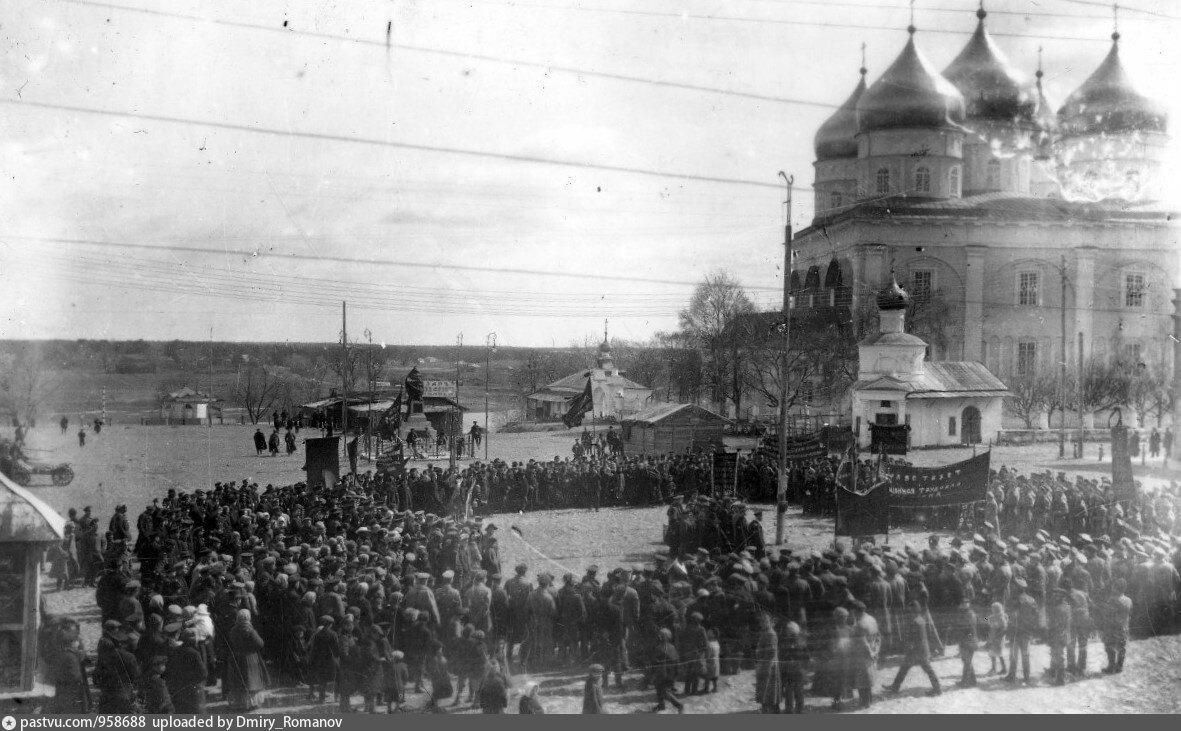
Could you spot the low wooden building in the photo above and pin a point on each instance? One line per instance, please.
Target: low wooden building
(27, 528)
(665, 428)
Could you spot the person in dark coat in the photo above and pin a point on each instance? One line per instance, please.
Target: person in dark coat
(493, 692)
(1115, 620)
(323, 659)
(1024, 621)
(664, 672)
(260, 442)
(153, 689)
(918, 649)
(592, 690)
(186, 674)
(116, 671)
(67, 671)
(793, 666)
(246, 675)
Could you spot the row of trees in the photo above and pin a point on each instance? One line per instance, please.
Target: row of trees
(1105, 385)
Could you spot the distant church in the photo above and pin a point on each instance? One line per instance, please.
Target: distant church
(984, 200)
(614, 395)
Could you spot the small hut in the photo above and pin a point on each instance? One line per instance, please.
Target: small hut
(27, 527)
(665, 428)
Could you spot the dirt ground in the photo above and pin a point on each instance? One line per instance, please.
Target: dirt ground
(132, 464)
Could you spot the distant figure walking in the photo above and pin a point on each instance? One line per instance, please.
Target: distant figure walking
(273, 443)
(260, 442)
(289, 438)
(65, 424)
(82, 437)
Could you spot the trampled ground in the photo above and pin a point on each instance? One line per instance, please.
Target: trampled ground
(132, 464)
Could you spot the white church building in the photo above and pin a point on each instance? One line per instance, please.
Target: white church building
(944, 403)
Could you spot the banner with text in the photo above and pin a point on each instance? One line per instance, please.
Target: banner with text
(888, 438)
(953, 484)
(805, 449)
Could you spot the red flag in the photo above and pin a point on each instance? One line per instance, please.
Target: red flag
(579, 405)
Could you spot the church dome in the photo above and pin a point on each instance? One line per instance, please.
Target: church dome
(1108, 103)
(911, 93)
(1045, 121)
(893, 298)
(835, 138)
(993, 89)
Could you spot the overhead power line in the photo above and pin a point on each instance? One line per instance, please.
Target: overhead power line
(961, 10)
(548, 68)
(375, 142)
(261, 252)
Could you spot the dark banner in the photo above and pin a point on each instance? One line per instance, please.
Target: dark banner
(863, 514)
(323, 460)
(725, 471)
(806, 449)
(953, 484)
(579, 405)
(1122, 483)
(888, 438)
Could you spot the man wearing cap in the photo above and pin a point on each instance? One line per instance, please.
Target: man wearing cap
(116, 671)
(447, 599)
(518, 589)
(478, 601)
(1023, 625)
(421, 598)
(1114, 617)
(542, 611)
(918, 650)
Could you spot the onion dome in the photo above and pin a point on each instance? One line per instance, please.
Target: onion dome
(835, 138)
(894, 297)
(1044, 118)
(993, 89)
(1108, 103)
(910, 94)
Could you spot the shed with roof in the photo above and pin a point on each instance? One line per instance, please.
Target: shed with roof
(27, 528)
(676, 428)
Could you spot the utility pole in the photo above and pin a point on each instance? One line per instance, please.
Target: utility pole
(1176, 363)
(1081, 424)
(371, 384)
(1062, 365)
(490, 341)
(344, 380)
(785, 330)
(458, 414)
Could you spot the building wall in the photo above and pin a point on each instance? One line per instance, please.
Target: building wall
(975, 267)
(928, 418)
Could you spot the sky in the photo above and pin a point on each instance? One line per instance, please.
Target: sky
(181, 169)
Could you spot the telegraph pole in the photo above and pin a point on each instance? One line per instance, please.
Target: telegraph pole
(457, 420)
(490, 342)
(344, 380)
(785, 331)
(1062, 365)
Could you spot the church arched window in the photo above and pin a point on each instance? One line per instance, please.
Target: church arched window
(993, 175)
(834, 199)
(883, 181)
(922, 180)
(953, 182)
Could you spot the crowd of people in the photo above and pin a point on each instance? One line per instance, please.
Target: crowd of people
(377, 587)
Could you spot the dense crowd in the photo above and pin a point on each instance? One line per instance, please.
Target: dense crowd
(367, 590)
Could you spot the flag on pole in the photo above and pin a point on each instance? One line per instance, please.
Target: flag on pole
(579, 405)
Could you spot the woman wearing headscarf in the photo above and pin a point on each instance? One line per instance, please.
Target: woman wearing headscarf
(529, 701)
(246, 674)
(186, 674)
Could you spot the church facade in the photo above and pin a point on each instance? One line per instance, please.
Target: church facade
(1023, 230)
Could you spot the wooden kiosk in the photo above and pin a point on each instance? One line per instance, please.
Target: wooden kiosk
(27, 527)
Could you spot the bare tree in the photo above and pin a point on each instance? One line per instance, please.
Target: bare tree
(1031, 394)
(25, 385)
(707, 325)
(1104, 386)
(258, 389)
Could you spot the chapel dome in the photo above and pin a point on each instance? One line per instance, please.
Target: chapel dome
(993, 89)
(911, 93)
(893, 297)
(835, 138)
(1108, 103)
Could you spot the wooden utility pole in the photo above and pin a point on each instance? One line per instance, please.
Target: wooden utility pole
(1062, 365)
(785, 329)
(1081, 424)
(344, 382)
(458, 418)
